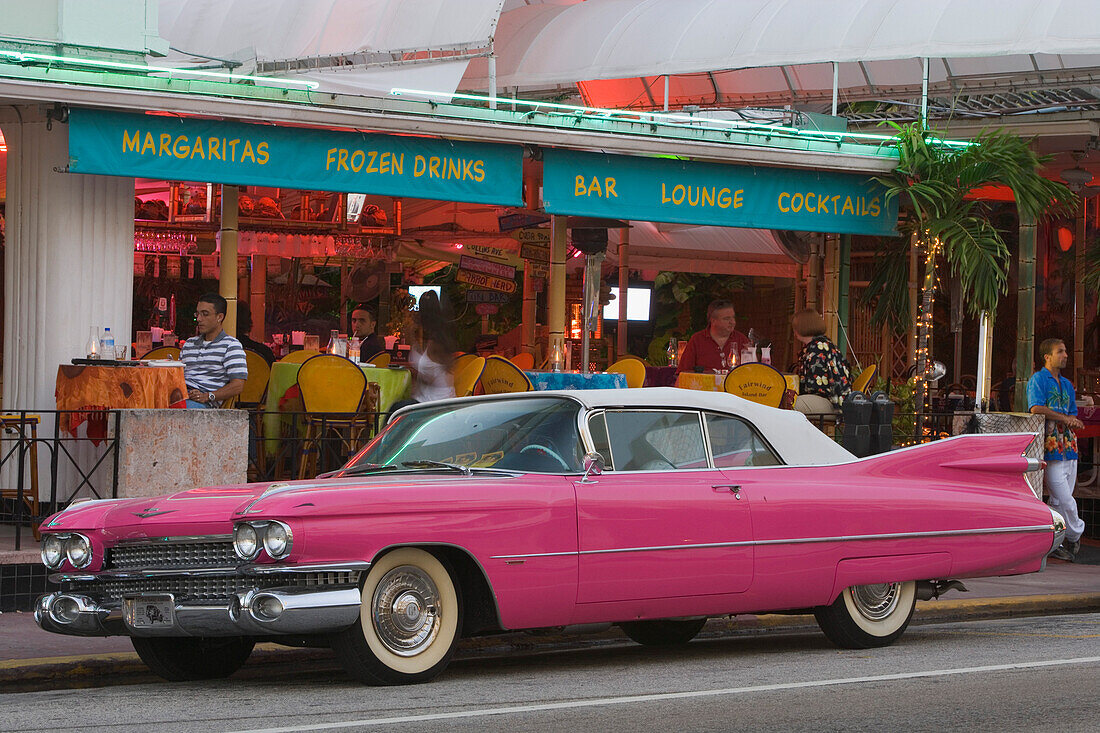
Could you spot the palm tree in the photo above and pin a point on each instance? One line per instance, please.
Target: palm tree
(932, 182)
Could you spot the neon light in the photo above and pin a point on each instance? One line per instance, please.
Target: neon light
(668, 118)
(22, 58)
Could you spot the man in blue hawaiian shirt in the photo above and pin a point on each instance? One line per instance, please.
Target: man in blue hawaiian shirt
(1051, 395)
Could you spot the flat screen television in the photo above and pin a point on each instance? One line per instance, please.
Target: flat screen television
(415, 291)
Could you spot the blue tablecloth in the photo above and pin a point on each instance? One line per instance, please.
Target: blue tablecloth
(571, 380)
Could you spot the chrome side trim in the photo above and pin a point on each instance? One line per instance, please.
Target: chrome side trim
(177, 540)
(325, 567)
(795, 541)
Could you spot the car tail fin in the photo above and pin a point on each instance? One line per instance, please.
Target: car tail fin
(994, 460)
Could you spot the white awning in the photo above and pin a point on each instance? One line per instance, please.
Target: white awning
(546, 44)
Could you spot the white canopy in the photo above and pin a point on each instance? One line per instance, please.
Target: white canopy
(616, 39)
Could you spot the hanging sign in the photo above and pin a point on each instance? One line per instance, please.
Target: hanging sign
(489, 268)
(489, 282)
(485, 296)
(486, 309)
(534, 236)
(534, 252)
(689, 192)
(219, 151)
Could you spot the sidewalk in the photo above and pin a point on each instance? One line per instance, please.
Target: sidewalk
(30, 657)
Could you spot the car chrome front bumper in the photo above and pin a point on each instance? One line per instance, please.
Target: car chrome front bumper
(249, 613)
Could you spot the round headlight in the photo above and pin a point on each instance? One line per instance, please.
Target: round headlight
(246, 542)
(277, 540)
(52, 551)
(78, 550)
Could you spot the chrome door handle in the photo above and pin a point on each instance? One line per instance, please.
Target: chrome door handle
(734, 489)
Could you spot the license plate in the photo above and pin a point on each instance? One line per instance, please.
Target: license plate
(150, 612)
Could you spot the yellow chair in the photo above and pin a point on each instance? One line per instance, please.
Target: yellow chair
(863, 381)
(163, 352)
(380, 360)
(466, 377)
(757, 382)
(500, 375)
(462, 359)
(256, 385)
(299, 357)
(332, 390)
(524, 360)
(633, 368)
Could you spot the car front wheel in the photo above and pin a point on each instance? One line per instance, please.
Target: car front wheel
(865, 616)
(408, 623)
(185, 659)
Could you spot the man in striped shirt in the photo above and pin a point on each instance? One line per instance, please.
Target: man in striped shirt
(214, 364)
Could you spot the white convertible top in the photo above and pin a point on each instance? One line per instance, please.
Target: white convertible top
(797, 441)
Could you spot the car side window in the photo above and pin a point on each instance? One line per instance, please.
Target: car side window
(597, 427)
(655, 440)
(733, 443)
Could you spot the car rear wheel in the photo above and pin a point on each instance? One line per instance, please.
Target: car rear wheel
(408, 623)
(663, 632)
(865, 616)
(183, 659)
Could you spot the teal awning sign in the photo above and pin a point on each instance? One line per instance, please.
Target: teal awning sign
(215, 151)
(689, 192)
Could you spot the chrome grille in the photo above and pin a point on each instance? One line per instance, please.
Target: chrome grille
(202, 553)
(191, 589)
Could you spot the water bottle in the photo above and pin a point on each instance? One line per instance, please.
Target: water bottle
(107, 344)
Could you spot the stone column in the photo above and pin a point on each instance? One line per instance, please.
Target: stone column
(68, 260)
(1025, 313)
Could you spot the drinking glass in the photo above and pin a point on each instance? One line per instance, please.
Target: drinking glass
(311, 342)
(144, 342)
(122, 352)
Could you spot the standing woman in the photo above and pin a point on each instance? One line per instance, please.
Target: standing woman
(432, 356)
(825, 378)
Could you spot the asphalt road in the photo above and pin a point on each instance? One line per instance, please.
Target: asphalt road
(1001, 675)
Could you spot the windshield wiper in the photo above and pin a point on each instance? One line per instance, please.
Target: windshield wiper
(438, 464)
(359, 470)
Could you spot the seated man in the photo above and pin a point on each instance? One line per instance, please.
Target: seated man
(719, 340)
(214, 365)
(244, 328)
(363, 328)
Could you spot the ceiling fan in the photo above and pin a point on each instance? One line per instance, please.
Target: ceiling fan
(1078, 179)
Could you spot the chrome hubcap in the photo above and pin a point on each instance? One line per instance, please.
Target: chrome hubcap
(876, 602)
(405, 610)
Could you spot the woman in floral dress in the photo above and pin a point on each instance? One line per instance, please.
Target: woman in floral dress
(825, 378)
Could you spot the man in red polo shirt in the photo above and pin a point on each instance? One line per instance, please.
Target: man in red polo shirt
(706, 348)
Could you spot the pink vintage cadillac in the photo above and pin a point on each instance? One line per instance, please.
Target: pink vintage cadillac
(649, 508)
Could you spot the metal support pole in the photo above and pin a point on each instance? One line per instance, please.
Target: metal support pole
(836, 85)
(624, 285)
(1079, 294)
(831, 278)
(914, 273)
(555, 300)
(666, 93)
(985, 360)
(528, 314)
(843, 277)
(813, 275)
(924, 93)
(492, 81)
(1025, 313)
(227, 274)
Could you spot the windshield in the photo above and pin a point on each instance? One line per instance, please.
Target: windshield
(530, 435)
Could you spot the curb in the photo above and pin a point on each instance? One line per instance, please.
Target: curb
(126, 668)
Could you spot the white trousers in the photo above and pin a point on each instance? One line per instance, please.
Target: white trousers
(1059, 478)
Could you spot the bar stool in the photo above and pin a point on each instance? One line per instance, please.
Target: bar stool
(22, 423)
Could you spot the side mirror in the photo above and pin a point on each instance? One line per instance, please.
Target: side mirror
(593, 465)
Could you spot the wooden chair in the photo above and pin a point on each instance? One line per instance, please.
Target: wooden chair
(633, 368)
(524, 360)
(466, 377)
(163, 352)
(380, 360)
(299, 357)
(500, 375)
(863, 381)
(757, 382)
(333, 389)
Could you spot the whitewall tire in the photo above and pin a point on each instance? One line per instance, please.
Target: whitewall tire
(865, 616)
